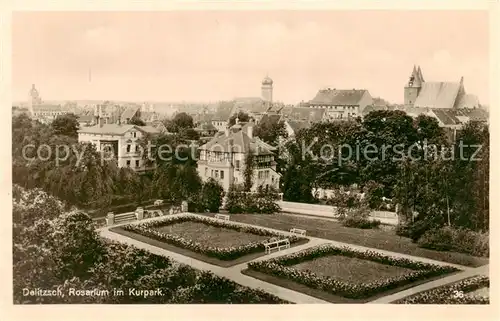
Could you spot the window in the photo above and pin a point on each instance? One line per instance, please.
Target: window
(206, 171)
(128, 148)
(212, 173)
(128, 163)
(134, 133)
(216, 174)
(237, 165)
(136, 148)
(222, 174)
(137, 163)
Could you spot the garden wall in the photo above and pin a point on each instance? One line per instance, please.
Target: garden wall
(389, 218)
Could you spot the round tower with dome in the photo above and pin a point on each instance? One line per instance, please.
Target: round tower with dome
(267, 89)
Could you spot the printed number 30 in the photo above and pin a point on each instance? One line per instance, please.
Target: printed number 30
(458, 294)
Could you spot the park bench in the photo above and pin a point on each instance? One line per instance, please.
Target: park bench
(222, 217)
(158, 202)
(279, 245)
(298, 231)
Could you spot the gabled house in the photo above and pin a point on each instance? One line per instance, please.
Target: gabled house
(340, 104)
(224, 158)
(120, 142)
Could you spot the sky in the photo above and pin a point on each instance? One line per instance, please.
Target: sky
(219, 55)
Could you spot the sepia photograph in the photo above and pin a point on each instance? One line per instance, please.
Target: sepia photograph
(268, 157)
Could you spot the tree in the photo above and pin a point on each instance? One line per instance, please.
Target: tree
(137, 121)
(66, 125)
(270, 132)
(242, 117)
(248, 171)
(211, 195)
(182, 121)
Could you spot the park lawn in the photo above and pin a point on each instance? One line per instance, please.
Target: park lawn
(216, 236)
(323, 295)
(376, 238)
(350, 269)
(206, 234)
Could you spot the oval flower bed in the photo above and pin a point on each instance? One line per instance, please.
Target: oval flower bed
(222, 253)
(281, 267)
(452, 294)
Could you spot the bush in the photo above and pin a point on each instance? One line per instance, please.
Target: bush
(403, 230)
(458, 240)
(211, 196)
(261, 202)
(360, 222)
(359, 218)
(374, 193)
(437, 239)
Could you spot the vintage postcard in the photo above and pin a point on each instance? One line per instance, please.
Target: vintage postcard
(280, 157)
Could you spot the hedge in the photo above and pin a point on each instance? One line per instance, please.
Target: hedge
(280, 267)
(227, 253)
(448, 294)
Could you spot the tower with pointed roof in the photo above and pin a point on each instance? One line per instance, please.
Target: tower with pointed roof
(412, 88)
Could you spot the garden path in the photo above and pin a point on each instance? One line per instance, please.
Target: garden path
(234, 272)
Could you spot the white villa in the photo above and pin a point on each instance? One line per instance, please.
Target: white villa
(121, 140)
(223, 158)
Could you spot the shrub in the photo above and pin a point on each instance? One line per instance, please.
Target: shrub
(374, 193)
(437, 239)
(403, 230)
(261, 202)
(211, 196)
(458, 240)
(359, 218)
(360, 222)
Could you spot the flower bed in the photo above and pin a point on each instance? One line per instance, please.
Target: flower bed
(452, 294)
(281, 267)
(222, 253)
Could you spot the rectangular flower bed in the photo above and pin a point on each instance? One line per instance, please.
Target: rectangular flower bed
(457, 293)
(158, 230)
(283, 267)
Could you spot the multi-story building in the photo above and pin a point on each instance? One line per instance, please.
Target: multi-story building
(224, 158)
(340, 104)
(122, 141)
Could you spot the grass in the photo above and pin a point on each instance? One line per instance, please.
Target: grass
(196, 255)
(332, 298)
(349, 269)
(216, 236)
(384, 239)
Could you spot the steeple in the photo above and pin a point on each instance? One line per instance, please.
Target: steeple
(420, 74)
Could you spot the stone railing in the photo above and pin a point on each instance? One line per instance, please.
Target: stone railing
(139, 214)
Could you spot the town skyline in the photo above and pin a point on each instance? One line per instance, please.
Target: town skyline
(233, 51)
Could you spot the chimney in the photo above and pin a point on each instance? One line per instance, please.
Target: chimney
(250, 129)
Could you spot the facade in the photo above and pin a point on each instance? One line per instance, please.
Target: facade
(121, 140)
(445, 95)
(341, 104)
(223, 158)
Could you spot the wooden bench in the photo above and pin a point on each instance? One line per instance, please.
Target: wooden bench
(222, 217)
(298, 231)
(279, 245)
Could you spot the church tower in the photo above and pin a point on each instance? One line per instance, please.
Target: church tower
(267, 90)
(33, 99)
(413, 87)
